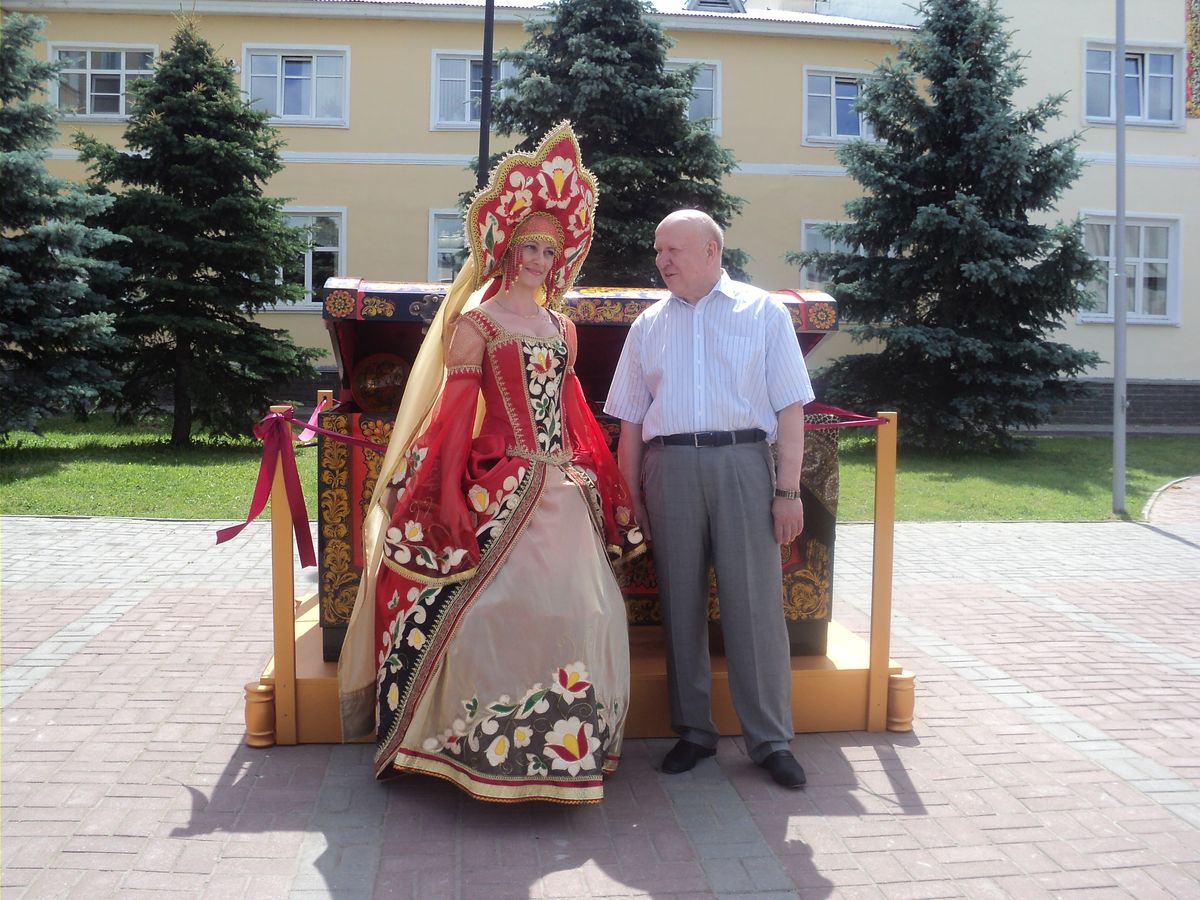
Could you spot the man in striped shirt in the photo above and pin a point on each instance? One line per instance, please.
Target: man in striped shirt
(707, 380)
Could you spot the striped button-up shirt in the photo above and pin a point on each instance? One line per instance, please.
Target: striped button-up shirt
(728, 362)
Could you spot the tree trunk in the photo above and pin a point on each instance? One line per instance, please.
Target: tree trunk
(181, 428)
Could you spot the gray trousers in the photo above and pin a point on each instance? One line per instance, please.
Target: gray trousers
(712, 505)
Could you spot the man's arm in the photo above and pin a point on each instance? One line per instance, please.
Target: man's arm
(630, 449)
(788, 514)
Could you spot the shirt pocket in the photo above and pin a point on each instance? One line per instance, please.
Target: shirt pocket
(739, 363)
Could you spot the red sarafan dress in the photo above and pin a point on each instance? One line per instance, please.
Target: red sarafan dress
(502, 639)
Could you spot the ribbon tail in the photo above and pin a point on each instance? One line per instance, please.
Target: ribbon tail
(310, 426)
(262, 488)
(295, 498)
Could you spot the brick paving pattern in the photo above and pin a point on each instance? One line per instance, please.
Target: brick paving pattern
(1056, 747)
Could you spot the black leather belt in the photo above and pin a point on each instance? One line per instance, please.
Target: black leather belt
(711, 438)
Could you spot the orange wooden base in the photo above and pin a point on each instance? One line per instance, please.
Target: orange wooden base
(829, 693)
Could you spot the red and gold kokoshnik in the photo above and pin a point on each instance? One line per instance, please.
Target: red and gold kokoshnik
(551, 185)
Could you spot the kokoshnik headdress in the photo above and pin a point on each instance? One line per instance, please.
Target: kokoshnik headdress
(546, 195)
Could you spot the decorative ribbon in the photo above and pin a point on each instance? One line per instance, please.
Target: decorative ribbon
(275, 431)
(853, 419)
(311, 428)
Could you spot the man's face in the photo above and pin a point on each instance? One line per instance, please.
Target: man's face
(686, 259)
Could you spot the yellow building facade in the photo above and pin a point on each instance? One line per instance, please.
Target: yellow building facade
(374, 99)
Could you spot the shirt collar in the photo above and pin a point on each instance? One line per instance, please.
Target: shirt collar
(721, 287)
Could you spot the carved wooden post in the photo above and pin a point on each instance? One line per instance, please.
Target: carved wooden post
(901, 701)
(260, 714)
(881, 571)
(283, 606)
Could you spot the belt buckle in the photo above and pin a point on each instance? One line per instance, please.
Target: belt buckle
(708, 437)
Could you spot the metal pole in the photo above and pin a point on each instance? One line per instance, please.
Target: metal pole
(1119, 300)
(485, 101)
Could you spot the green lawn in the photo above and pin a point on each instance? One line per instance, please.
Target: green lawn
(99, 468)
(1059, 479)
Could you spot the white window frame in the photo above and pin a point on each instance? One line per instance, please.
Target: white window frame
(436, 215)
(52, 49)
(866, 132)
(1174, 224)
(674, 64)
(805, 282)
(1142, 49)
(506, 69)
(310, 50)
(312, 300)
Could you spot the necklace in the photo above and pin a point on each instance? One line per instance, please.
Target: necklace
(512, 312)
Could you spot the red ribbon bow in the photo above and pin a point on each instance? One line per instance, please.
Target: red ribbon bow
(276, 434)
(275, 431)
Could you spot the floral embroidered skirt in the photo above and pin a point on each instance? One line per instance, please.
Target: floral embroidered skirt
(529, 700)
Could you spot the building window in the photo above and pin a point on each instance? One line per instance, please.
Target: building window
(325, 256)
(299, 87)
(706, 94)
(447, 244)
(94, 80)
(831, 107)
(813, 276)
(717, 6)
(458, 87)
(1151, 79)
(1151, 268)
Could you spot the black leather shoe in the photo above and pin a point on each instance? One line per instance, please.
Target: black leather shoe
(684, 756)
(784, 769)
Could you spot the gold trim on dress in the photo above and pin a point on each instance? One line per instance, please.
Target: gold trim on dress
(562, 458)
(564, 791)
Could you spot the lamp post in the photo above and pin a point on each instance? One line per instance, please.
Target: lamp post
(485, 100)
(1120, 404)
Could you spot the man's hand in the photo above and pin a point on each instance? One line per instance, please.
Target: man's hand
(639, 515)
(789, 519)
(629, 460)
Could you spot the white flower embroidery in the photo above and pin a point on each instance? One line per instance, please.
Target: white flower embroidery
(478, 496)
(498, 751)
(572, 746)
(557, 180)
(571, 681)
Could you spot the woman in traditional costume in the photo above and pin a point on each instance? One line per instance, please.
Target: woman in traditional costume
(488, 644)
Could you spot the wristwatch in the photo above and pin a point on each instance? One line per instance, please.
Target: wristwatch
(787, 495)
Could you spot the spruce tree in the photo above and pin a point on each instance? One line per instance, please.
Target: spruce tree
(603, 66)
(206, 245)
(957, 276)
(55, 329)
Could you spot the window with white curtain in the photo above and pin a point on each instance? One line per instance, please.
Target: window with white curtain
(831, 107)
(447, 244)
(705, 104)
(323, 258)
(299, 86)
(458, 87)
(1152, 79)
(94, 80)
(815, 276)
(1152, 267)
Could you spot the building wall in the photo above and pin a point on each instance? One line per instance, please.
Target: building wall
(388, 169)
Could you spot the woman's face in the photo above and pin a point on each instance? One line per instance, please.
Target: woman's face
(536, 258)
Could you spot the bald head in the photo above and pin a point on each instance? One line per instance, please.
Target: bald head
(687, 247)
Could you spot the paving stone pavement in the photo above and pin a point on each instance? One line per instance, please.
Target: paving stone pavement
(1056, 747)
